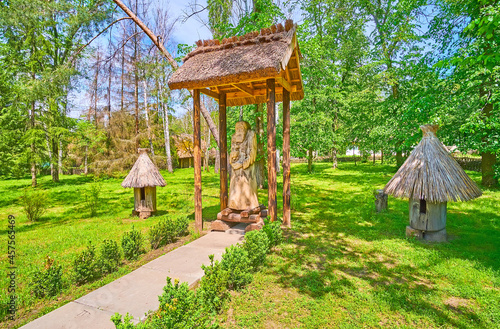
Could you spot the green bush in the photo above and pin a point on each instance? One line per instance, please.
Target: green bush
(48, 281)
(257, 246)
(92, 199)
(213, 291)
(166, 231)
(235, 261)
(132, 244)
(109, 257)
(274, 232)
(179, 308)
(85, 266)
(35, 203)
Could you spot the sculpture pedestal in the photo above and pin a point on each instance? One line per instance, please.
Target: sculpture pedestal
(230, 217)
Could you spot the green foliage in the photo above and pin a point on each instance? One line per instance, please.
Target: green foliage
(236, 263)
(274, 232)
(132, 244)
(48, 281)
(92, 200)
(256, 245)
(166, 231)
(109, 257)
(35, 204)
(213, 291)
(85, 266)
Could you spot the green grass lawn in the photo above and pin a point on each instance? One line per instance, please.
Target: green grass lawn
(343, 265)
(346, 266)
(67, 228)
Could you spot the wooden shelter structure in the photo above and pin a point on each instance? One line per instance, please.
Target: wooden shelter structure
(259, 67)
(144, 177)
(430, 178)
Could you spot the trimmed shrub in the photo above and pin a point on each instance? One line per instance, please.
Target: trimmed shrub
(179, 308)
(166, 231)
(274, 232)
(48, 281)
(85, 266)
(257, 246)
(109, 257)
(132, 244)
(35, 203)
(92, 198)
(235, 261)
(213, 291)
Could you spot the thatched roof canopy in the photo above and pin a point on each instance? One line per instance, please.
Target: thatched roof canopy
(431, 174)
(240, 66)
(143, 173)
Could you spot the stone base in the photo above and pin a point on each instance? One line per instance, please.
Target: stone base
(219, 225)
(254, 226)
(436, 236)
(143, 214)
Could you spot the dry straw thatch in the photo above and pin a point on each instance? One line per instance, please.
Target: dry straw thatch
(431, 174)
(143, 173)
(252, 56)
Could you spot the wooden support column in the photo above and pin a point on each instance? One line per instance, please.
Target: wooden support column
(197, 161)
(223, 150)
(271, 149)
(286, 158)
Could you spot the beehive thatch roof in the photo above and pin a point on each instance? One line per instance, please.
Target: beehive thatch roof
(143, 173)
(239, 66)
(431, 174)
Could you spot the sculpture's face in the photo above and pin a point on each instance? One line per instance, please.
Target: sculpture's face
(240, 133)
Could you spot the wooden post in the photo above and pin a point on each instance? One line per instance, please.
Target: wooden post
(271, 149)
(197, 161)
(286, 158)
(223, 150)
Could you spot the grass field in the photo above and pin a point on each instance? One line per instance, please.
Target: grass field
(343, 265)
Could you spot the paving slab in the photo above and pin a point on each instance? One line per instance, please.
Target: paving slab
(137, 292)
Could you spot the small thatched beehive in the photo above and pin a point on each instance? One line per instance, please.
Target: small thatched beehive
(430, 178)
(144, 177)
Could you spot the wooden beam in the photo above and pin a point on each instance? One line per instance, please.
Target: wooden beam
(243, 88)
(223, 150)
(271, 149)
(210, 93)
(286, 159)
(197, 161)
(285, 84)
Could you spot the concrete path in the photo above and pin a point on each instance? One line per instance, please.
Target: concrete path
(138, 291)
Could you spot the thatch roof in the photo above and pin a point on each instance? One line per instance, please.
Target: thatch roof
(431, 174)
(241, 65)
(143, 173)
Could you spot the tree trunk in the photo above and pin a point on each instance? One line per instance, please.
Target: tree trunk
(49, 151)
(55, 172)
(217, 162)
(59, 158)
(166, 135)
(374, 156)
(148, 119)
(32, 155)
(399, 158)
(259, 130)
(382, 156)
(207, 152)
(488, 159)
(334, 158)
(85, 164)
(310, 160)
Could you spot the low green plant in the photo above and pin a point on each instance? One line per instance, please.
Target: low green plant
(236, 262)
(179, 308)
(213, 291)
(92, 199)
(167, 230)
(109, 257)
(85, 266)
(257, 246)
(132, 244)
(47, 282)
(35, 203)
(274, 232)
